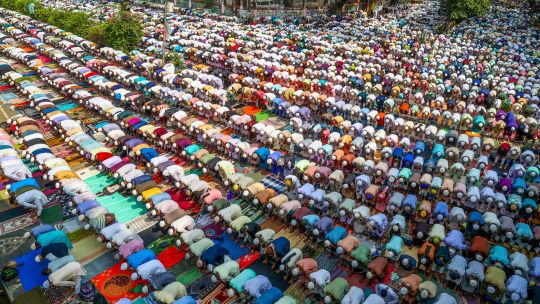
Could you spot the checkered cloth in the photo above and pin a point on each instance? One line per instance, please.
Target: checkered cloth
(273, 182)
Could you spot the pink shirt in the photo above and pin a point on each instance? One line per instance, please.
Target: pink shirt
(307, 265)
(130, 248)
(349, 243)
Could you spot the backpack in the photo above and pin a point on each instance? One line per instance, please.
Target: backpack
(87, 292)
(10, 271)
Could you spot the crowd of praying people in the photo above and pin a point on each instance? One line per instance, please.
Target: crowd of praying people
(397, 150)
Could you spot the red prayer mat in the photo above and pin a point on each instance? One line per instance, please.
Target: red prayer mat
(171, 256)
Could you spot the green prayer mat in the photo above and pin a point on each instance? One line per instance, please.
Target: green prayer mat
(80, 234)
(263, 115)
(33, 167)
(256, 176)
(52, 215)
(124, 208)
(189, 276)
(98, 182)
(155, 245)
(197, 171)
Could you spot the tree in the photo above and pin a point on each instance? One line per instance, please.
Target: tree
(458, 10)
(98, 34)
(208, 3)
(124, 31)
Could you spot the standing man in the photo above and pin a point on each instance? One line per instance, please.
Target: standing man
(31, 8)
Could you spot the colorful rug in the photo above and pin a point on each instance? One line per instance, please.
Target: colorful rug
(171, 256)
(115, 284)
(18, 222)
(218, 296)
(162, 243)
(297, 291)
(274, 182)
(60, 295)
(214, 230)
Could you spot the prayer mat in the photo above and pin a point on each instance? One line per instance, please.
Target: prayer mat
(263, 115)
(214, 230)
(79, 234)
(248, 259)
(253, 212)
(115, 284)
(125, 209)
(235, 249)
(30, 271)
(5, 205)
(298, 239)
(60, 295)
(202, 287)
(98, 182)
(44, 59)
(96, 265)
(218, 296)
(276, 279)
(154, 236)
(274, 224)
(251, 110)
(297, 291)
(358, 280)
(19, 222)
(189, 276)
(326, 261)
(274, 182)
(171, 256)
(52, 214)
(67, 106)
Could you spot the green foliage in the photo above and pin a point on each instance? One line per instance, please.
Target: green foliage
(177, 61)
(462, 9)
(98, 34)
(123, 31)
(208, 3)
(19, 5)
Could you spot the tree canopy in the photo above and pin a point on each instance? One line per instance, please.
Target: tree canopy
(461, 9)
(123, 31)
